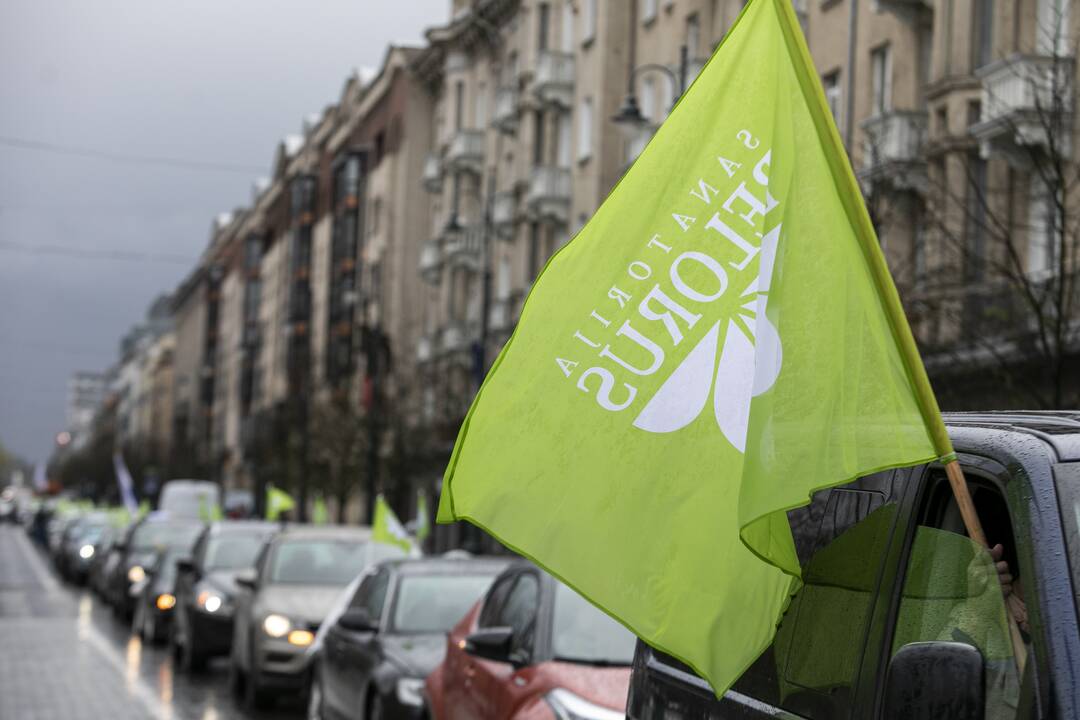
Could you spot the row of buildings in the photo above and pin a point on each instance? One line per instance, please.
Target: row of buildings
(335, 329)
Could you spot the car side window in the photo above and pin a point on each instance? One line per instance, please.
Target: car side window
(489, 614)
(199, 551)
(951, 591)
(841, 538)
(371, 595)
(519, 613)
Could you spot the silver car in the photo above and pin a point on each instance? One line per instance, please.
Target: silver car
(298, 575)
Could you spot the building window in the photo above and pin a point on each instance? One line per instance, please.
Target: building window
(459, 105)
(1042, 229)
(942, 119)
(1052, 27)
(982, 33)
(585, 121)
(974, 112)
(881, 79)
(834, 95)
(588, 30)
(648, 11)
(538, 138)
(566, 42)
(543, 25)
(975, 247)
(480, 107)
(565, 139)
(693, 36)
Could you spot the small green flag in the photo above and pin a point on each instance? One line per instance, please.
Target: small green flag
(719, 341)
(320, 515)
(423, 516)
(208, 512)
(144, 509)
(386, 528)
(277, 502)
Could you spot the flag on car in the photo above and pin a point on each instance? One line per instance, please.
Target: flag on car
(386, 528)
(719, 341)
(125, 483)
(277, 502)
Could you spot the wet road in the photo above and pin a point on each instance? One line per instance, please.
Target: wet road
(64, 657)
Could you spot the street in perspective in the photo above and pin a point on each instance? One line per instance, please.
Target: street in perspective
(539, 360)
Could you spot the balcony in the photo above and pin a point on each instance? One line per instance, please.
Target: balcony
(424, 349)
(548, 196)
(466, 151)
(503, 212)
(554, 81)
(454, 338)
(432, 176)
(908, 10)
(505, 114)
(1026, 105)
(463, 246)
(892, 150)
(430, 261)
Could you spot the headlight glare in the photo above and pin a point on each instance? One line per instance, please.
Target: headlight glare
(165, 601)
(136, 574)
(303, 638)
(568, 706)
(86, 552)
(276, 625)
(410, 691)
(210, 602)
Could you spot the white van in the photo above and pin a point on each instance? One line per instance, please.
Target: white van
(195, 499)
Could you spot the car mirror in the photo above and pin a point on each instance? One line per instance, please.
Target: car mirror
(185, 566)
(490, 644)
(358, 620)
(247, 579)
(929, 680)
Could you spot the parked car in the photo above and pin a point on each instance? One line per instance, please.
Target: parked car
(899, 605)
(80, 545)
(138, 549)
(206, 589)
(297, 577)
(375, 656)
(532, 648)
(154, 596)
(190, 499)
(106, 559)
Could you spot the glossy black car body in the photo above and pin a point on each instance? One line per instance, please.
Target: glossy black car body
(381, 661)
(206, 589)
(1031, 463)
(138, 549)
(155, 596)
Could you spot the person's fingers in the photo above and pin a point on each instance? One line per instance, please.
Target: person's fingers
(997, 552)
(1002, 566)
(1005, 579)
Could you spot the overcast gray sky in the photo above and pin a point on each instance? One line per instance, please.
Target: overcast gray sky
(206, 80)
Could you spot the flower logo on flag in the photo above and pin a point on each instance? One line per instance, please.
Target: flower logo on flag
(749, 363)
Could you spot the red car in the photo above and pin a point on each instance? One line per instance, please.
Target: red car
(532, 649)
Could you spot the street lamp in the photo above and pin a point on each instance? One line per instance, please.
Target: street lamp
(628, 118)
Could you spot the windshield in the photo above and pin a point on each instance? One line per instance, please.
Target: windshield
(318, 562)
(189, 501)
(149, 536)
(434, 603)
(232, 551)
(91, 534)
(581, 633)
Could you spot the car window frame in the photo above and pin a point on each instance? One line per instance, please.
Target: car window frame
(985, 470)
(507, 579)
(528, 574)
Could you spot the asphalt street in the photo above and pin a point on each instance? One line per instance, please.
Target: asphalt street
(63, 656)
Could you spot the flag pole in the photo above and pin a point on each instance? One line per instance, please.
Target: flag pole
(975, 532)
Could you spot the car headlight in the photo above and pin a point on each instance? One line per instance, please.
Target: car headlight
(136, 574)
(86, 552)
(165, 601)
(302, 638)
(568, 706)
(211, 602)
(410, 691)
(276, 625)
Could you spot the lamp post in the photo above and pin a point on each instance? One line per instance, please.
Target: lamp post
(628, 118)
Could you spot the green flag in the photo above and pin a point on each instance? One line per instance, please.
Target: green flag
(423, 516)
(208, 512)
(319, 513)
(386, 528)
(720, 340)
(277, 502)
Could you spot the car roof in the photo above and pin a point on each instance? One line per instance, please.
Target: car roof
(444, 566)
(1058, 428)
(322, 532)
(224, 527)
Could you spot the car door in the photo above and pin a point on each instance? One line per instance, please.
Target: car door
(949, 589)
(245, 620)
(492, 687)
(185, 589)
(459, 670)
(349, 656)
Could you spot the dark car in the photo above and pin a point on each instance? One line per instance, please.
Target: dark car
(138, 548)
(298, 576)
(155, 596)
(79, 545)
(392, 634)
(532, 648)
(901, 615)
(206, 589)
